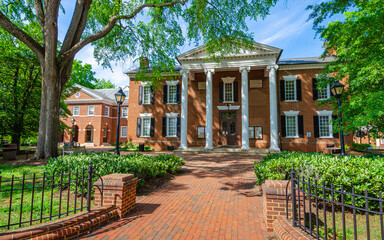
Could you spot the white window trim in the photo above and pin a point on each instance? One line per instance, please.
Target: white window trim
(122, 111)
(171, 83)
(329, 115)
(231, 81)
(328, 88)
(73, 111)
(106, 115)
(291, 78)
(295, 114)
(93, 110)
(171, 115)
(121, 132)
(145, 115)
(144, 86)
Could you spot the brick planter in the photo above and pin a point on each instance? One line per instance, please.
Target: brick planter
(119, 190)
(274, 201)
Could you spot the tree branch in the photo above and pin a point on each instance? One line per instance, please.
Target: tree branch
(22, 36)
(112, 22)
(40, 12)
(78, 23)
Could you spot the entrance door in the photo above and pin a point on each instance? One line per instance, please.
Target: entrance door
(105, 134)
(229, 127)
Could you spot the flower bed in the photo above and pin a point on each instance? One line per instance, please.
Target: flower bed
(360, 172)
(142, 166)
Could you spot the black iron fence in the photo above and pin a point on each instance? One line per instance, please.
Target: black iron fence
(331, 212)
(35, 199)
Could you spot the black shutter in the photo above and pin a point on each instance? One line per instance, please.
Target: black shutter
(298, 90)
(283, 127)
(236, 91)
(314, 89)
(141, 95)
(221, 89)
(138, 132)
(316, 126)
(165, 94)
(335, 134)
(164, 126)
(178, 93)
(152, 96)
(300, 123)
(152, 133)
(178, 126)
(282, 90)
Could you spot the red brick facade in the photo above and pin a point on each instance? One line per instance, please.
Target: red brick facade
(259, 112)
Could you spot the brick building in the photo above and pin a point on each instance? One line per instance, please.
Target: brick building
(95, 114)
(252, 99)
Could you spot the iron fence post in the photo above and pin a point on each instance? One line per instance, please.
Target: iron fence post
(293, 192)
(89, 187)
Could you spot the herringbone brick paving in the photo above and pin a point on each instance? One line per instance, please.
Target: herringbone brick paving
(214, 198)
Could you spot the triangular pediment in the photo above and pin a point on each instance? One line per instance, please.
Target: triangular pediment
(258, 49)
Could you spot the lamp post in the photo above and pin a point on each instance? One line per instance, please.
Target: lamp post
(120, 97)
(337, 90)
(73, 131)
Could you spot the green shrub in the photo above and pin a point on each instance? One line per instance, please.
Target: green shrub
(360, 146)
(360, 172)
(144, 167)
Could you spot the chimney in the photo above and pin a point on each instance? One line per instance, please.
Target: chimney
(144, 62)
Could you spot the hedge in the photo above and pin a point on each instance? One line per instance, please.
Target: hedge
(360, 172)
(142, 166)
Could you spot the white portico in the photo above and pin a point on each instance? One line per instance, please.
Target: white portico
(261, 58)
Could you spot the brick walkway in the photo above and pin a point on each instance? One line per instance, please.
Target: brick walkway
(214, 198)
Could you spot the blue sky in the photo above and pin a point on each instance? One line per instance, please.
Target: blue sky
(286, 27)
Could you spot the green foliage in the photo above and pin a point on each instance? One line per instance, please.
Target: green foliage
(128, 146)
(358, 43)
(360, 172)
(360, 146)
(142, 166)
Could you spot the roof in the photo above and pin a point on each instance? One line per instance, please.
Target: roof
(104, 94)
(307, 60)
(177, 68)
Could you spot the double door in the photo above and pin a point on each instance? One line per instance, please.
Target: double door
(229, 129)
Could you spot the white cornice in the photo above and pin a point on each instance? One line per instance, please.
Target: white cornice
(228, 79)
(171, 114)
(290, 77)
(291, 113)
(83, 101)
(145, 114)
(172, 82)
(302, 66)
(324, 113)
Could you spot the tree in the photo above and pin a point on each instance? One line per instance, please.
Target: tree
(116, 30)
(83, 75)
(358, 44)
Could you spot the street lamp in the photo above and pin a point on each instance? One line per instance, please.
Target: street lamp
(337, 90)
(73, 131)
(120, 97)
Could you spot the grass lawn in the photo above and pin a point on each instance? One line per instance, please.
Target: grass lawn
(41, 205)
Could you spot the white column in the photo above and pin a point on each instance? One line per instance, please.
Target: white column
(273, 107)
(244, 108)
(209, 109)
(184, 110)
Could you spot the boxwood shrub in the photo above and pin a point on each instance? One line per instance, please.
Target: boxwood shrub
(360, 172)
(144, 167)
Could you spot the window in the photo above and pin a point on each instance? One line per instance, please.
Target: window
(291, 126)
(172, 94)
(146, 127)
(124, 132)
(200, 132)
(228, 92)
(124, 112)
(91, 110)
(106, 112)
(290, 90)
(147, 95)
(256, 132)
(77, 94)
(76, 111)
(324, 94)
(325, 127)
(172, 127)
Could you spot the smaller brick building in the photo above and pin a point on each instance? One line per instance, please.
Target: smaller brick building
(95, 114)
